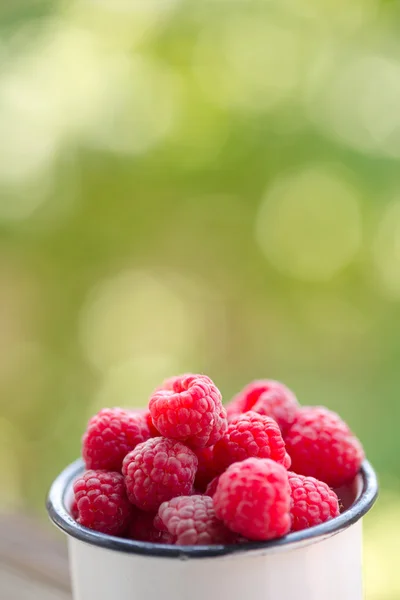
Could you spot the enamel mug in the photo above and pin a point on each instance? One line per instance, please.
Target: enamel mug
(320, 563)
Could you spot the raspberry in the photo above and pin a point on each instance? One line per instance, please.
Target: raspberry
(212, 487)
(191, 521)
(102, 502)
(250, 435)
(253, 499)
(206, 471)
(142, 529)
(157, 471)
(266, 397)
(191, 411)
(321, 445)
(312, 502)
(110, 435)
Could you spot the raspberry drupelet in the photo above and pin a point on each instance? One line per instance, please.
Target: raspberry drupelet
(312, 502)
(190, 410)
(321, 445)
(110, 435)
(250, 435)
(101, 502)
(158, 470)
(253, 499)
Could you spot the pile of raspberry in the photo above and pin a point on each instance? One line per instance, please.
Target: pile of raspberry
(188, 471)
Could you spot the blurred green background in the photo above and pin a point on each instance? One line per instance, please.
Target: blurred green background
(199, 185)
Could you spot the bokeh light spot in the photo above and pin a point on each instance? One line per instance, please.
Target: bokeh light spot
(57, 83)
(62, 84)
(309, 223)
(145, 109)
(130, 384)
(140, 313)
(357, 102)
(250, 63)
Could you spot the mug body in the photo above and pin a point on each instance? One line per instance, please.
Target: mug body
(320, 563)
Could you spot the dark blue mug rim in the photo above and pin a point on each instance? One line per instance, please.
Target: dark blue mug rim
(60, 516)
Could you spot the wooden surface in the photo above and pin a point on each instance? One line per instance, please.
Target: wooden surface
(33, 562)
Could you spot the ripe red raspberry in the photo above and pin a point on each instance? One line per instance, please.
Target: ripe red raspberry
(191, 411)
(321, 445)
(253, 499)
(312, 502)
(266, 397)
(250, 435)
(206, 471)
(110, 435)
(191, 521)
(157, 471)
(212, 487)
(142, 529)
(102, 502)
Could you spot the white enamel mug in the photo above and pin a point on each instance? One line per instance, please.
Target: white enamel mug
(320, 563)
